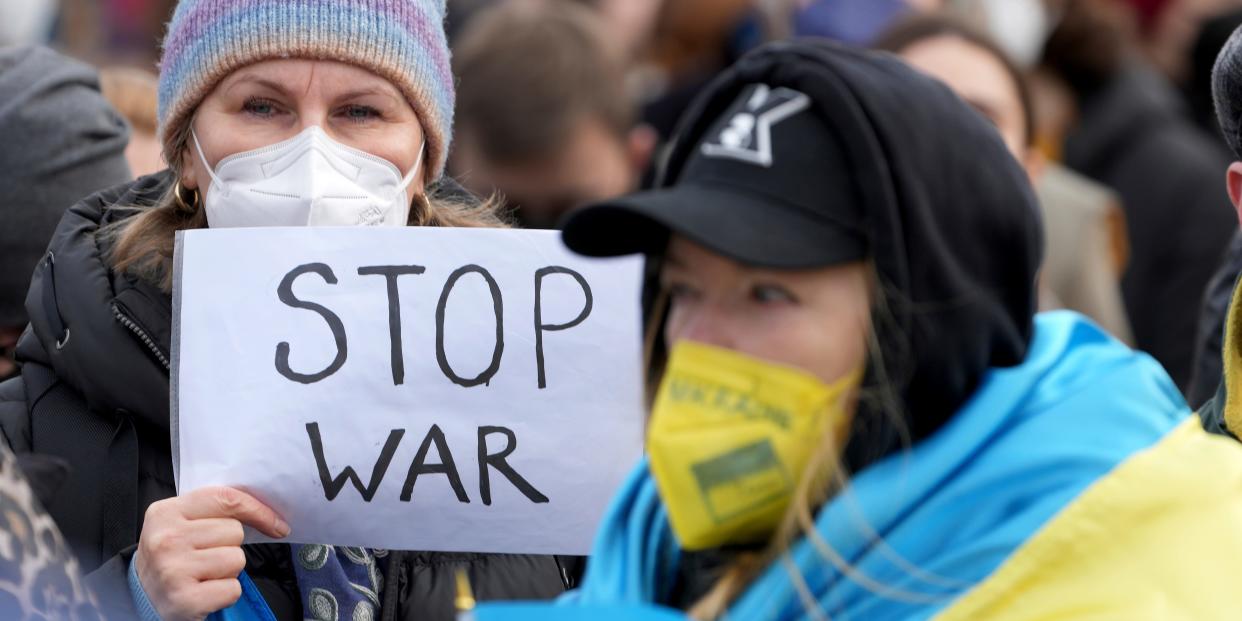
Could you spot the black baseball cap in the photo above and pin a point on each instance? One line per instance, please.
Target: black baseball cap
(767, 185)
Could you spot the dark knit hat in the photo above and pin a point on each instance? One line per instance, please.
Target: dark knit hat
(62, 142)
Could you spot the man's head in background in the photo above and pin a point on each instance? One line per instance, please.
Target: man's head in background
(1227, 95)
(543, 115)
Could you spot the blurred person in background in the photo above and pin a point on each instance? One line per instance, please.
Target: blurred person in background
(544, 117)
(133, 93)
(61, 142)
(1199, 93)
(1222, 318)
(1124, 125)
(1081, 269)
(1214, 332)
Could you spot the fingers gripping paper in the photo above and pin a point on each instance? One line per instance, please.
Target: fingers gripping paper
(421, 389)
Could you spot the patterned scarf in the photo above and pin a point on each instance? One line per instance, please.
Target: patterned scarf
(338, 583)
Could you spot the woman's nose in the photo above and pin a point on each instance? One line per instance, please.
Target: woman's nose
(708, 324)
(310, 119)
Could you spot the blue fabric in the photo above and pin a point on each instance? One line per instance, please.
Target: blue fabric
(250, 607)
(146, 611)
(949, 511)
(335, 588)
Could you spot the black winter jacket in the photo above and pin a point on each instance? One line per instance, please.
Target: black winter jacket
(94, 392)
(1210, 340)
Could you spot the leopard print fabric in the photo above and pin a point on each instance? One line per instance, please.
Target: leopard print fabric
(39, 578)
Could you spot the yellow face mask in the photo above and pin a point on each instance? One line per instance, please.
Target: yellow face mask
(730, 437)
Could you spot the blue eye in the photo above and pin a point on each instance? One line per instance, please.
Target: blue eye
(359, 113)
(260, 107)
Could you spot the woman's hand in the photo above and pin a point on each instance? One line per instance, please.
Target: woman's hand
(189, 554)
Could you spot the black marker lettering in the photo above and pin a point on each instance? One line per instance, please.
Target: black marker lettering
(541, 327)
(497, 306)
(391, 273)
(498, 462)
(446, 466)
(285, 293)
(332, 486)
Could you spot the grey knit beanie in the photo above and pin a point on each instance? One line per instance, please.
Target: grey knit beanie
(61, 142)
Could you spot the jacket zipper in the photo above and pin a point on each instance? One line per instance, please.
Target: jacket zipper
(146, 339)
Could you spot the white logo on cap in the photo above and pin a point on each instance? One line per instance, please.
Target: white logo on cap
(748, 136)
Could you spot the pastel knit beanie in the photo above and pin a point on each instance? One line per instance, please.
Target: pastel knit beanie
(402, 41)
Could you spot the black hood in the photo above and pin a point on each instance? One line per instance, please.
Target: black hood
(103, 333)
(951, 220)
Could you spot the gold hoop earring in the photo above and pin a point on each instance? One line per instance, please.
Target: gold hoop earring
(180, 200)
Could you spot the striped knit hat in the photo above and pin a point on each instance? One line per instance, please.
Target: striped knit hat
(402, 41)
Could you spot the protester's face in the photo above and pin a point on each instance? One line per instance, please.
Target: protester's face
(816, 320)
(594, 163)
(979, 79)
(275, 100)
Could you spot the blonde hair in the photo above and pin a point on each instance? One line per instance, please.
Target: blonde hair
(823, 477)
(143, 244)
(133, 93)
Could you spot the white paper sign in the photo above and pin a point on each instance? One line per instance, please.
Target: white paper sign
(413, 389)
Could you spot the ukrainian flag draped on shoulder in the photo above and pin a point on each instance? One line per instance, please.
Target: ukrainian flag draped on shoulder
(1073, 486)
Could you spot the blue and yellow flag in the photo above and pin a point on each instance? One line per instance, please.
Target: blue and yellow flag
(1073, 486)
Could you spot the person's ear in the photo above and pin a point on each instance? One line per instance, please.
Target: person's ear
(640, 146)
(1034, 162)
(1233, 182)
(189, 169)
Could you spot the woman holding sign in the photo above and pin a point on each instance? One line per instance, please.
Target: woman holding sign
(272, 113)
(858, 415)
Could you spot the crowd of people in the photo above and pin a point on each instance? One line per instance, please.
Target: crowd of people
(982, 253)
